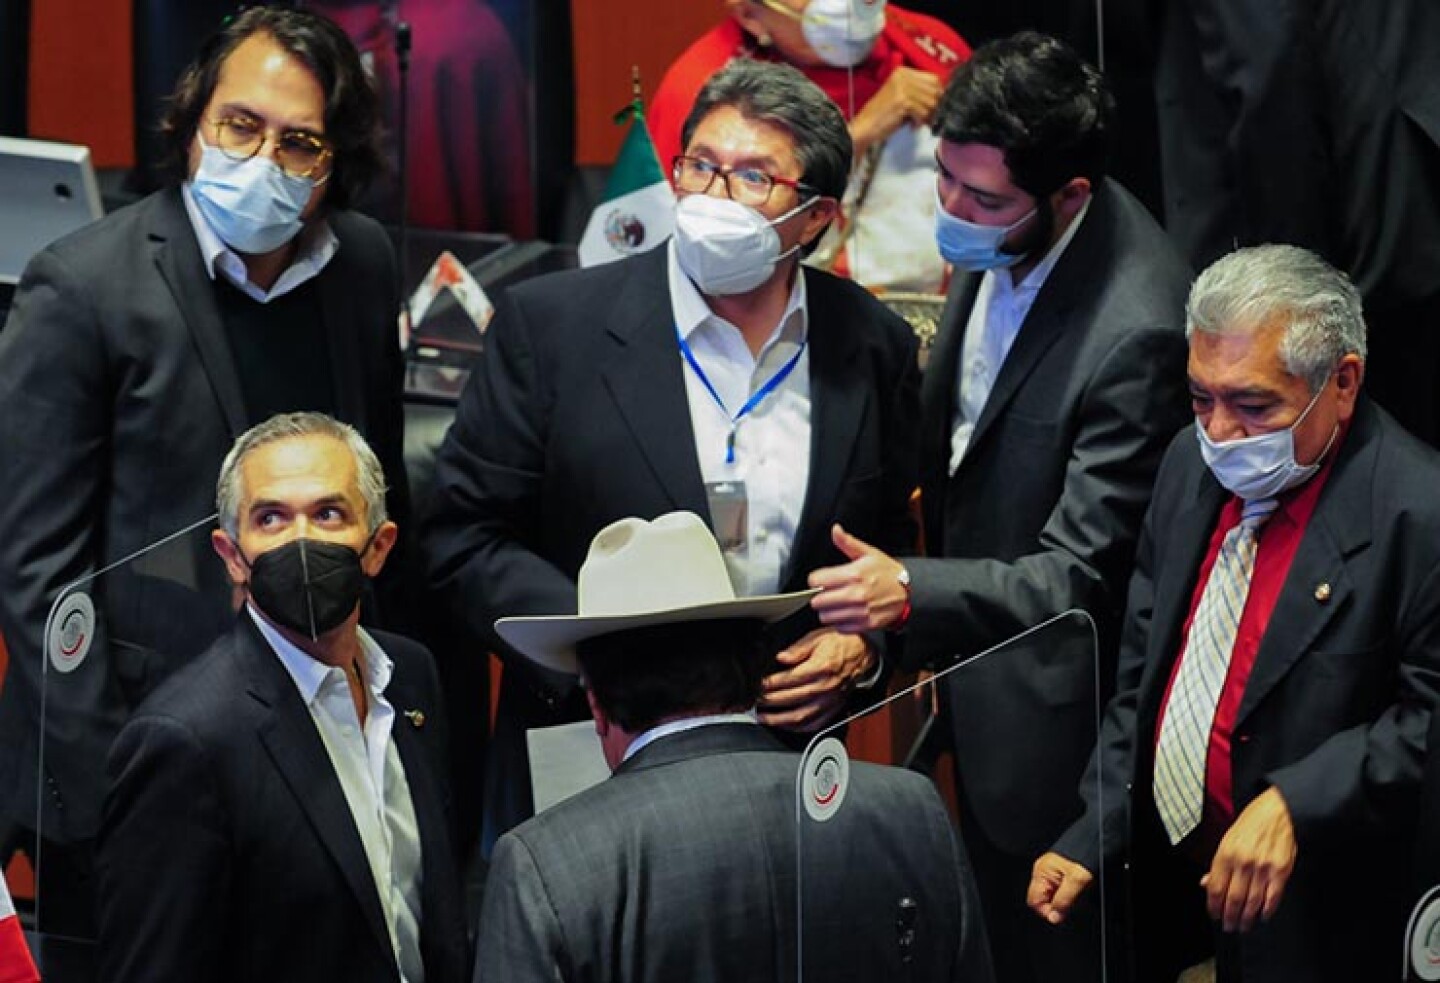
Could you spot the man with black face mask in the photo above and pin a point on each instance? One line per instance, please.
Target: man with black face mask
(1280, 663)
(276, 809)
(1054, 385)
(139, 348)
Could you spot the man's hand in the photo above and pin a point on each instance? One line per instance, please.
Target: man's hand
(908, 96)
(1252, 866)
(864, 594)
(1055, 884)
(816, 675)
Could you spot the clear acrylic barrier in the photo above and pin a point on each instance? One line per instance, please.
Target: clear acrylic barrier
(877, 892)
(109, 640)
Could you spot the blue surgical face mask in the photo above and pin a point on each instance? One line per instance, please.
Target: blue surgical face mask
(1262, 466)
(253, 206)
(968, 246)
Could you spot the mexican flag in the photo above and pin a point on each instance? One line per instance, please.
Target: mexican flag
(638, 210)
(16, 966)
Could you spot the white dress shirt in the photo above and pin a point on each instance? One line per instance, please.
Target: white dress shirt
(317, 246)
(1001, 306)
(772, 441)
(373, 779)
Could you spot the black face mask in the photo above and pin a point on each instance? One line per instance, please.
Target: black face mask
(308, 585)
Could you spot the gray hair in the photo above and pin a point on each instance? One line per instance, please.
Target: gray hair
(779, 95)
(1252, 287)
(283, 426)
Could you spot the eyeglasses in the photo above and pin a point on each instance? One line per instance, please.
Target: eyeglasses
(747, 185)
(298, 153)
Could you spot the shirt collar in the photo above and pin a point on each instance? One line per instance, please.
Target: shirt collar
(690, 311)
(318, 245)
(310, 674)
(1032, 283)
(683, 724)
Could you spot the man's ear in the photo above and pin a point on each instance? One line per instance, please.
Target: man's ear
(380, 546)
(229, 551)
(744, 15)
(1349, 374)
(602, 722)
(818, 218)
(1066, 202)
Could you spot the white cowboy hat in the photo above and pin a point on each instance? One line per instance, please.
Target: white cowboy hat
(642, 573)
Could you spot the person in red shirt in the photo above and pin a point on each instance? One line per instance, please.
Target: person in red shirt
(1280, 662)
(885, 68)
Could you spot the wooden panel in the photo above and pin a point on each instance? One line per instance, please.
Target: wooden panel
(650, 34)
(81, 85)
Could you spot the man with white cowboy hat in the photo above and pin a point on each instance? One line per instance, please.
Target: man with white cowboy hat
(683, 864)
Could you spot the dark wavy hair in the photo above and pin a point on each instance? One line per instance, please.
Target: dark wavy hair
(1035, 99)
(645, 675)
(352, 108)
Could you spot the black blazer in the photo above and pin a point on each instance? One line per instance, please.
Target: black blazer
(1335, 712)
(119, 398)
(683, 866)
(227, 850)
(576, 416)
(1043, 512)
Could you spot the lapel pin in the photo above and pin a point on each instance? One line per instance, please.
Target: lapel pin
(416, 718)
(1322, 593)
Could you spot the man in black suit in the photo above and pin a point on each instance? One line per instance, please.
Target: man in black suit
(1054, 386)
(140, 347)
(277, 808)
(1280, 662)
(686, 863)
(1316, 124)
(715, 375)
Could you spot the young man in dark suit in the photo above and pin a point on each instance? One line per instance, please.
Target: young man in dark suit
(1262, 758)
(277, 809)
(687, 863)
(1054, 386)
(716, 375)
(139, 348)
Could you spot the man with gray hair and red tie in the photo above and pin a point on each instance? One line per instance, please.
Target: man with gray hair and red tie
(1281, 654)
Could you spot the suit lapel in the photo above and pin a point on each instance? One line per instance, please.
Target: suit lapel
(1177, 569)
(426, 797)
(1338, 528)
(937, 393)
(338, 311)
(177, 255)
(644, 377)
(838, 398)
(1048, 318)
(289, 736)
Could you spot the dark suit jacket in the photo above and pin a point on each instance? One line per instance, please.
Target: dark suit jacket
(576, 416)
(1315, 123)
(682, 866)
(228, 851)
(1334, 715)
(119, 398)
(1044, 510)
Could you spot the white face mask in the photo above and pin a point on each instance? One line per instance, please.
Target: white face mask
(843, 32)
(726, 247)
(1262, 466)
(253, 206)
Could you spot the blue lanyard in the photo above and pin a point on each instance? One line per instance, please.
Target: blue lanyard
(755, 398)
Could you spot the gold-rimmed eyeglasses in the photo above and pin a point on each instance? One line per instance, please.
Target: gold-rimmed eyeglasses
(747, 185)
(297, 153)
